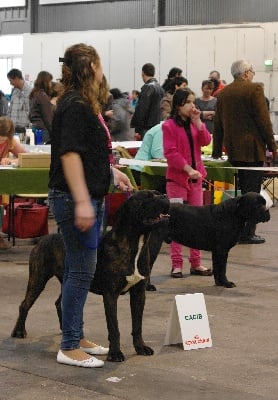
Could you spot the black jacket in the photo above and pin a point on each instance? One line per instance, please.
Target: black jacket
(147, 112)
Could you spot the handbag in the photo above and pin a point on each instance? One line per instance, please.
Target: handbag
(30, 220)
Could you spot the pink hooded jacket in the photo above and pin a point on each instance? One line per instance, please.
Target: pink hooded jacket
(177, 150)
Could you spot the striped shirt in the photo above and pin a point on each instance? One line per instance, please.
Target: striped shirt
(19, 106)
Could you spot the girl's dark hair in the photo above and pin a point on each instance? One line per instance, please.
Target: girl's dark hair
(215, 82)
(209, 83)
(173, 72)
(116, 93)
(77, 73)
(42, 83)
(179, 99)
(179, 80)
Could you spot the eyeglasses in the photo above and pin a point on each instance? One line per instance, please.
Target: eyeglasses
(251, 70)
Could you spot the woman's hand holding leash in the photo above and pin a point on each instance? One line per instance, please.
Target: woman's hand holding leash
(121, 180)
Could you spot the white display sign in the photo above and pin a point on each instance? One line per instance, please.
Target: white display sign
(189, 323)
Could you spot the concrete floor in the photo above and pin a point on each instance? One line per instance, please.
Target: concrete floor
(242, 363)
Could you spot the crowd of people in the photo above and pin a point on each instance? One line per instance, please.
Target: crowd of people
(127, 115)
(80, 115)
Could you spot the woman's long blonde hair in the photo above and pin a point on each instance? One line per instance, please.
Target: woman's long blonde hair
(77, 73)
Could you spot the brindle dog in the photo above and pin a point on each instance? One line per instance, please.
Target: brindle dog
(117, 271)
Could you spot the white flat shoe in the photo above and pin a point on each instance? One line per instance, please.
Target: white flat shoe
(96, 350)
(91, 362)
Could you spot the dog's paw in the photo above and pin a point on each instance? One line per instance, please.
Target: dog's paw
(19, 334)
(144, 350)
(115, 356)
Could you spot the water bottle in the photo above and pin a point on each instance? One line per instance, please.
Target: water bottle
(30, 136)
(38, 136)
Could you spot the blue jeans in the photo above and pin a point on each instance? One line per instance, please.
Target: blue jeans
(80, 264)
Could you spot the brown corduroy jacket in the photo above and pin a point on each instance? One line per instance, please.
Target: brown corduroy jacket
(242, 123)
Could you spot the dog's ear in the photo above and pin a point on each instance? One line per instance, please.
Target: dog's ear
(248, 203)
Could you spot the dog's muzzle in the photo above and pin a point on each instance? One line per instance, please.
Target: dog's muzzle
(262, 216)
(266, 216)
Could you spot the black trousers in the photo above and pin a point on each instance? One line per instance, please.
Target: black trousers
(249, 181)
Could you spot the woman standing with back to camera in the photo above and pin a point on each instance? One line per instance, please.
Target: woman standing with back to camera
(80, 175)
(40, 107)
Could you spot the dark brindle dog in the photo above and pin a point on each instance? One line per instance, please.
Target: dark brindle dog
(214, 228)
(116, 270)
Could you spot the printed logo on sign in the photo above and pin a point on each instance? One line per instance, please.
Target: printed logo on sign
(192, 317)
(196, 340)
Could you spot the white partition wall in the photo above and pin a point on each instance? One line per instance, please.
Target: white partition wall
(195, 49)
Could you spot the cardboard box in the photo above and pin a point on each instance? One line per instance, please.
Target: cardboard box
(34, 160)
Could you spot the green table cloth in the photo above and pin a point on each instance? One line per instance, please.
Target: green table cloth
(33, 180)
(24, 180)
(216, 171)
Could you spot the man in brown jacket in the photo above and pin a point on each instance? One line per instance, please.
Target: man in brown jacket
(243, 126)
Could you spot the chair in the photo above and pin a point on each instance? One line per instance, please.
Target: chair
(268, 184)
(269, 177)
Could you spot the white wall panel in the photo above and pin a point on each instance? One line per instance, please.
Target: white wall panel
(196, 50)
(200, 57)
(173, 53)
(146, 50)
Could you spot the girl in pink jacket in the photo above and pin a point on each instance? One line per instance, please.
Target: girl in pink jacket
(183, 136)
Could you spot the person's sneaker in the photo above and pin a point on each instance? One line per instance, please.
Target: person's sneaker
(251, 240)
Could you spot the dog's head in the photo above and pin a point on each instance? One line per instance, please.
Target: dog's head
(252, 207)
(144, 209)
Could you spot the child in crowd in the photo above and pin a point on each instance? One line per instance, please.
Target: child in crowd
(8, 145)
(134, 98)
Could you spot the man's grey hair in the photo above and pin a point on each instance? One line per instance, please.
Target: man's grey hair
(239, 67)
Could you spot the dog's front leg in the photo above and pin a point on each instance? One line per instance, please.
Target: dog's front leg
(137, 304)
(110, 305)
(219, 262)
(59, 309)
